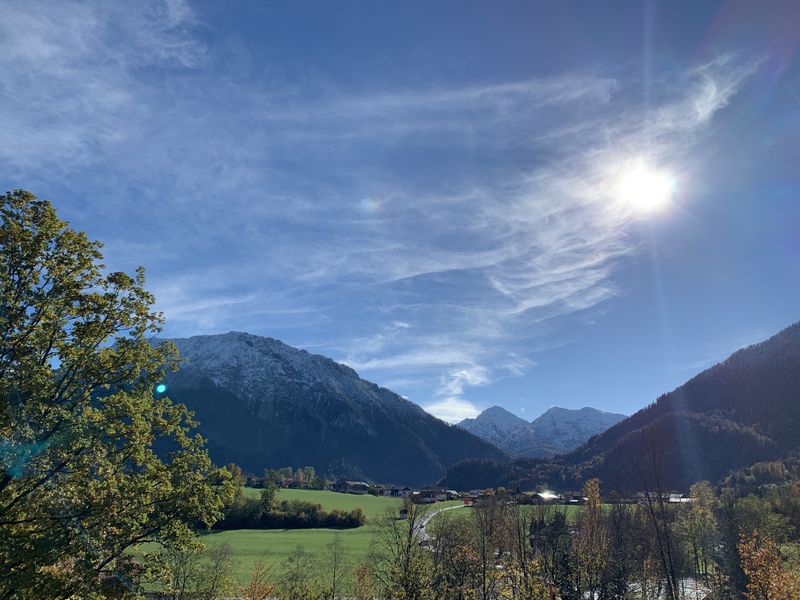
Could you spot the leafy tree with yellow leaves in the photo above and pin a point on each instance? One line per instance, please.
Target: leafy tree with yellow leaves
(80, 480)
(592, 547)
(762, 564)
(698, 526)
(403, 569)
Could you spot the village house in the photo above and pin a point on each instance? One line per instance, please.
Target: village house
(398, 492)
(669, 498)
(523, 497)
(574, 497)
(545, 497)
(350, 487)
(426, 496)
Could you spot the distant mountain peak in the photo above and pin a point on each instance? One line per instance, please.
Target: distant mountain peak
(556, 431)
(742, 411)
(497, 409)
(497, 412)
(495, 418)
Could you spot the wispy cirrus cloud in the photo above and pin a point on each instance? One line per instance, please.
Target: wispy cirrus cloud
(434, 235)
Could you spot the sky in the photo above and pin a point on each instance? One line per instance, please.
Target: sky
(430, 192)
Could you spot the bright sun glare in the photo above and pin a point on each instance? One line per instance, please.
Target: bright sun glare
(646, 189)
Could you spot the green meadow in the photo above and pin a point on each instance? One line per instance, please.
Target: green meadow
(571, 511)
(373, 506)
(274, 545)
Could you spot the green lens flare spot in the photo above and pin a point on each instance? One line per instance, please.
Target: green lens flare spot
(161, 388)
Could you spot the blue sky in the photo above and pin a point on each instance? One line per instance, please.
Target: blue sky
(429, 191)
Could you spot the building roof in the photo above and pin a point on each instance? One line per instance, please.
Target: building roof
(547, 495)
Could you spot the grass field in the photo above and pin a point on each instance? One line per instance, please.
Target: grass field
(273, 545)
(572, 511)
(373, 506)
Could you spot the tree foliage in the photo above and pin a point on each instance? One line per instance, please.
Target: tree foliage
(260, 585)
(403, 569)
(592, 547)
(762, 564)
(299, 579)
(698, 526)
(245, 512)
(80, 479)
(194, 572)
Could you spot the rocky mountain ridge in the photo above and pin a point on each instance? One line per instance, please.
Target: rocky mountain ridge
(262, 403)
(556, 431)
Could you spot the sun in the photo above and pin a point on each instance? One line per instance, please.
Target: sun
(646, 189)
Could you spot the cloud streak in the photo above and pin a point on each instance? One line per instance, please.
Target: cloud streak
(436, 235)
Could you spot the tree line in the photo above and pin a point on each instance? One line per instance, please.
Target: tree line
(301, 478)
(719, 546)
(267, 512)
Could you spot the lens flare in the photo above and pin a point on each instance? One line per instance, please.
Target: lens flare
(161, 388)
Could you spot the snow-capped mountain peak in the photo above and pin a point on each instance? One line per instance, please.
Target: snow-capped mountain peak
(556, 431)
(495, 424)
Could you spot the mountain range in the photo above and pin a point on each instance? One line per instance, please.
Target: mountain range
(261, 403)
(741, 411)
(556, 431)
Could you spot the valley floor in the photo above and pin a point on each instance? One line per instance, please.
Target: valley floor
(274, 545)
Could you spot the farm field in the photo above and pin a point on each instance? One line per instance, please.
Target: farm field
(373, 506)
(572, 511)
(274, 545)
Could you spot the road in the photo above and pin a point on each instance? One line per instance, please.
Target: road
(421, 533)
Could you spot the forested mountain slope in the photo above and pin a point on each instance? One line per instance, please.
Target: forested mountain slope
(262, 403)
(743, 410)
